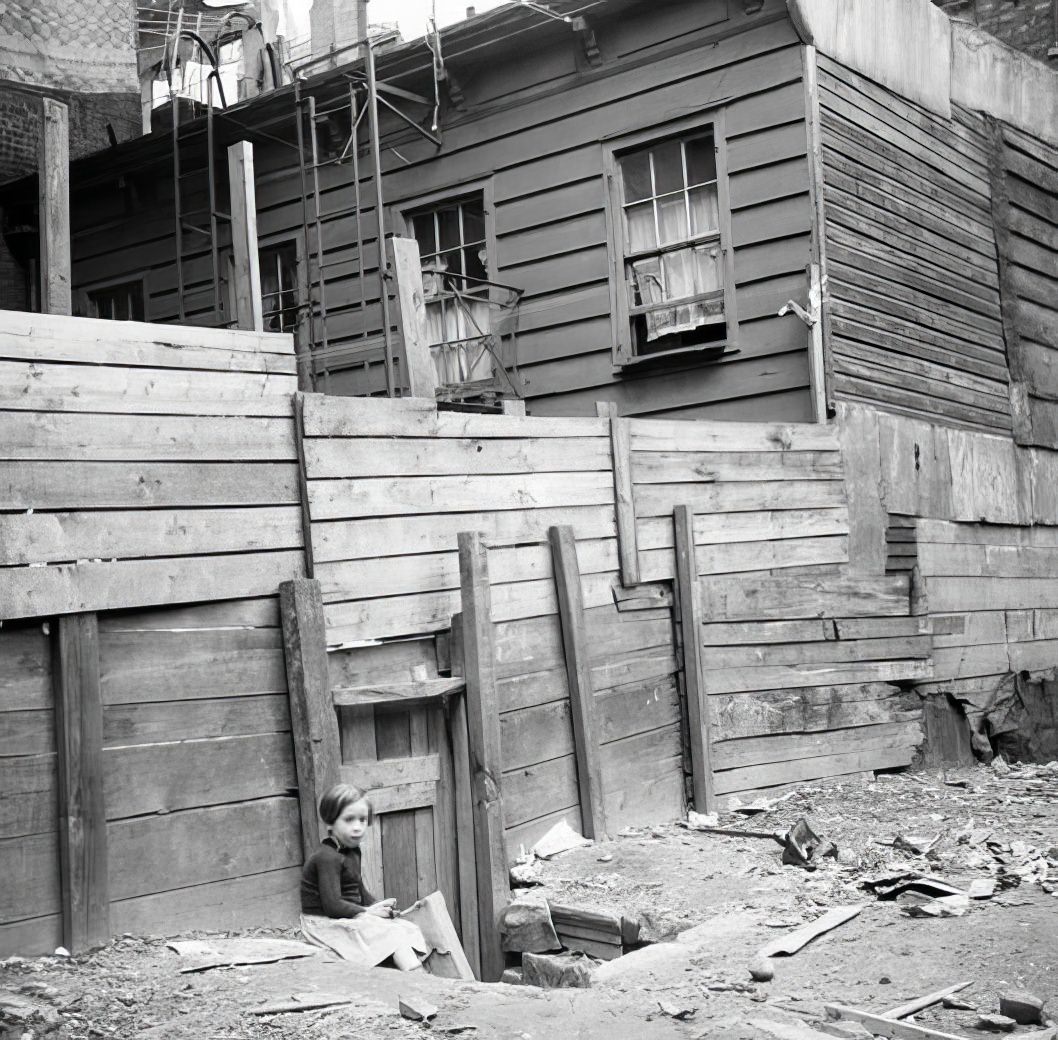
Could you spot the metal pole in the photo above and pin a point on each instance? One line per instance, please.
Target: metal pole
(355, 131)
(376, 156)
(179, 217)
(211, 174)
(299, 119)
(319, 236)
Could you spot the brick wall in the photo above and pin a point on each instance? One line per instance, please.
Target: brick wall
(1028, 25)
(20, 117)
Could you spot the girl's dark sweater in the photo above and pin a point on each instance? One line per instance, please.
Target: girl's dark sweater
(331, 884)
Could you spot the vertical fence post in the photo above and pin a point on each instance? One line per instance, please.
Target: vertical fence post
(317, 750)
(245, 261)
(483, 729)
(417, 361)
(578, 672)
(53, 174)
(469, 924)
(694, 680)
(621, 450)
(82, 807)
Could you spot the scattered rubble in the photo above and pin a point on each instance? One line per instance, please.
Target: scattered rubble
(557, 971)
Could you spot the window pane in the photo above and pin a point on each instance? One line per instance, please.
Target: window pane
(668, 167)
(474, 265)
(709, 275)
(635, 169)
(705, 210)
(701, 160)
(679, 271)
(644, 282)
(449, 221)
(672, 219)
(423, 230)
(473, 222)
(639, 221)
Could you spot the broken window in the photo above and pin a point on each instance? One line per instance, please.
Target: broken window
(122, 302)
(279, 287)
(453, 248)
(669, 231)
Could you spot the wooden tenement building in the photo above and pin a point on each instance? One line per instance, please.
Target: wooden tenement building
(619, 206)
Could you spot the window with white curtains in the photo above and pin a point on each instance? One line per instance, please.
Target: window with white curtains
(452, 242)
(668, 225)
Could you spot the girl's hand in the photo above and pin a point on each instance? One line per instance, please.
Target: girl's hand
(379, 910)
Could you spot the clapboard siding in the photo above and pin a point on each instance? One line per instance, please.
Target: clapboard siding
(1025, 204)
(533, 128)
(143, 465)
(915, 313)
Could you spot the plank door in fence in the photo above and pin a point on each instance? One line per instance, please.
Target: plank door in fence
(402, 754)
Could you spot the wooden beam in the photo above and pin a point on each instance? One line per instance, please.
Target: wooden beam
(820, 361)
(82, 808)
(422, 375)
(313, 720)
(921, 1003)
(246, 273)
(624, 492)
(578, 672)
(412, 691)
(53, 162)
(686, 594)
(486, 767)
(882, 1026)
(469, 927)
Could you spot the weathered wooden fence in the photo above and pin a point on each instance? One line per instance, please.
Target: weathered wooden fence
(143, 466)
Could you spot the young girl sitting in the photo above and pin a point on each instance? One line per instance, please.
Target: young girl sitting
(337, 911)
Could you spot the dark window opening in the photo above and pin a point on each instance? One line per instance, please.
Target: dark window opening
(117, 302)
(279, 287)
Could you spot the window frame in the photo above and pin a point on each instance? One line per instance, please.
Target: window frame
(401, 215)
(110, 285)
(622, 347)
(279, 244)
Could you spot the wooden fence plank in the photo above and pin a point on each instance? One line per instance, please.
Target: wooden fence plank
(579, 676)
(418, 361)
(317, 751)
(246, 267)
(690, 622)
(624, 492)
(82, 806)
(469, 923)
(53, 162)
(484, 747)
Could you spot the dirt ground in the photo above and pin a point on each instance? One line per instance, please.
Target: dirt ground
(729, 896)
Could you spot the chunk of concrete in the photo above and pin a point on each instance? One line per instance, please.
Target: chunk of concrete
(1025, 1008)
(556, 971)
(526, 926)
(995, 1023)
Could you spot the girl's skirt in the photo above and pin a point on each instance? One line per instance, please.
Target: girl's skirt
(365, 939)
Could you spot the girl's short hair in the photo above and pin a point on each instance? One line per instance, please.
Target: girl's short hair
(334, 802)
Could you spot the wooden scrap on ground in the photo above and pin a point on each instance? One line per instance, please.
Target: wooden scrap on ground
(448, 959)
(880, 1025)
(303, 1002)
(790, 944)
(920, 1003)
(222, 953)
(416, 1009)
